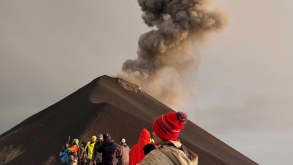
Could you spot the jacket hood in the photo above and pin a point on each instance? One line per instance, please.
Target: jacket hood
(144, 137)
(76, 141)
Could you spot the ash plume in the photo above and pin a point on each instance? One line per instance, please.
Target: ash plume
(167, 54)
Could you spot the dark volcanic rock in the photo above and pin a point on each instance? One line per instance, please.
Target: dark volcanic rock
(104, 105)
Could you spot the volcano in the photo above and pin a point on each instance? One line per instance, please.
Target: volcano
(104, 105)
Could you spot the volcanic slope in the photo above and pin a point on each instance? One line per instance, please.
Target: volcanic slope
(105, 105)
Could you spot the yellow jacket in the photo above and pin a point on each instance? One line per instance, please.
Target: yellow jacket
(90, 149)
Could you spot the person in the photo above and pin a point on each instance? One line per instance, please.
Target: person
(108, 150)
(136, 152)
(82, 154)
(89, 149)
(74, 148)
(73, 159)
(73, 152)
(63, 154)
(97, 155)
(123, 158)
(166, 130)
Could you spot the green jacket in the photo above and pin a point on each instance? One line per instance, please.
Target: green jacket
(169, 155)
(90, 149)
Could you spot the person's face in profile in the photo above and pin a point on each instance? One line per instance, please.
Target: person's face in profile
(157, 139)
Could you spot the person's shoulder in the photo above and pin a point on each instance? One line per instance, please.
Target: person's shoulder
(178, 155)
(155, 157)
(98, 144)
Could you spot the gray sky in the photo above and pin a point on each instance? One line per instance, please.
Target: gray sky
(50, 48)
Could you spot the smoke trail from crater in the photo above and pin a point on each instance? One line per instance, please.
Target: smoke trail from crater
(167, 54)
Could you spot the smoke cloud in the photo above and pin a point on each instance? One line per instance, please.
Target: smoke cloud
(167, 55)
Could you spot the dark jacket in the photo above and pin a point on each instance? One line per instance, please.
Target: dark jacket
(98, 155)
(108, 150)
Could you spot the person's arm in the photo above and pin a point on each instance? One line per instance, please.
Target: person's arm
(119, 151)
(86, 148)
(95, 151)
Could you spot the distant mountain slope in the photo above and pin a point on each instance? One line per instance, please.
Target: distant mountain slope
(106, 104)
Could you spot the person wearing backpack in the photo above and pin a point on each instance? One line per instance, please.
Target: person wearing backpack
(166, 130)
(73, 152)
(74, 147)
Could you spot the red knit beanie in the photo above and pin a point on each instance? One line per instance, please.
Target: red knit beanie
(169, 126)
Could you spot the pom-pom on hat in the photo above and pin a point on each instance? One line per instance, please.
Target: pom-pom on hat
(123, 140)
(168, 126)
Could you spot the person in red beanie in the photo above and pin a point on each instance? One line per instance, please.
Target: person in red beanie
(166, 130)
(136, 153)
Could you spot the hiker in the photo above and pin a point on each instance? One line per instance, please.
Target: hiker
(108, 150)
(136, 152)
(74, 147)
(123, 153)
(89, 149)
(73, 152)
(63, 154)
(82, 154)
(73, 159)
(98, 155)
(166, 130)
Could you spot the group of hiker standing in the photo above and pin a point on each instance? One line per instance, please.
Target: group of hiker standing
(101, 150)
(161, 148)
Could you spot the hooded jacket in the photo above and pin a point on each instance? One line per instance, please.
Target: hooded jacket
(89, 148)
(123, 155)
(136, 153)
(75, 147)
(170, 155)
